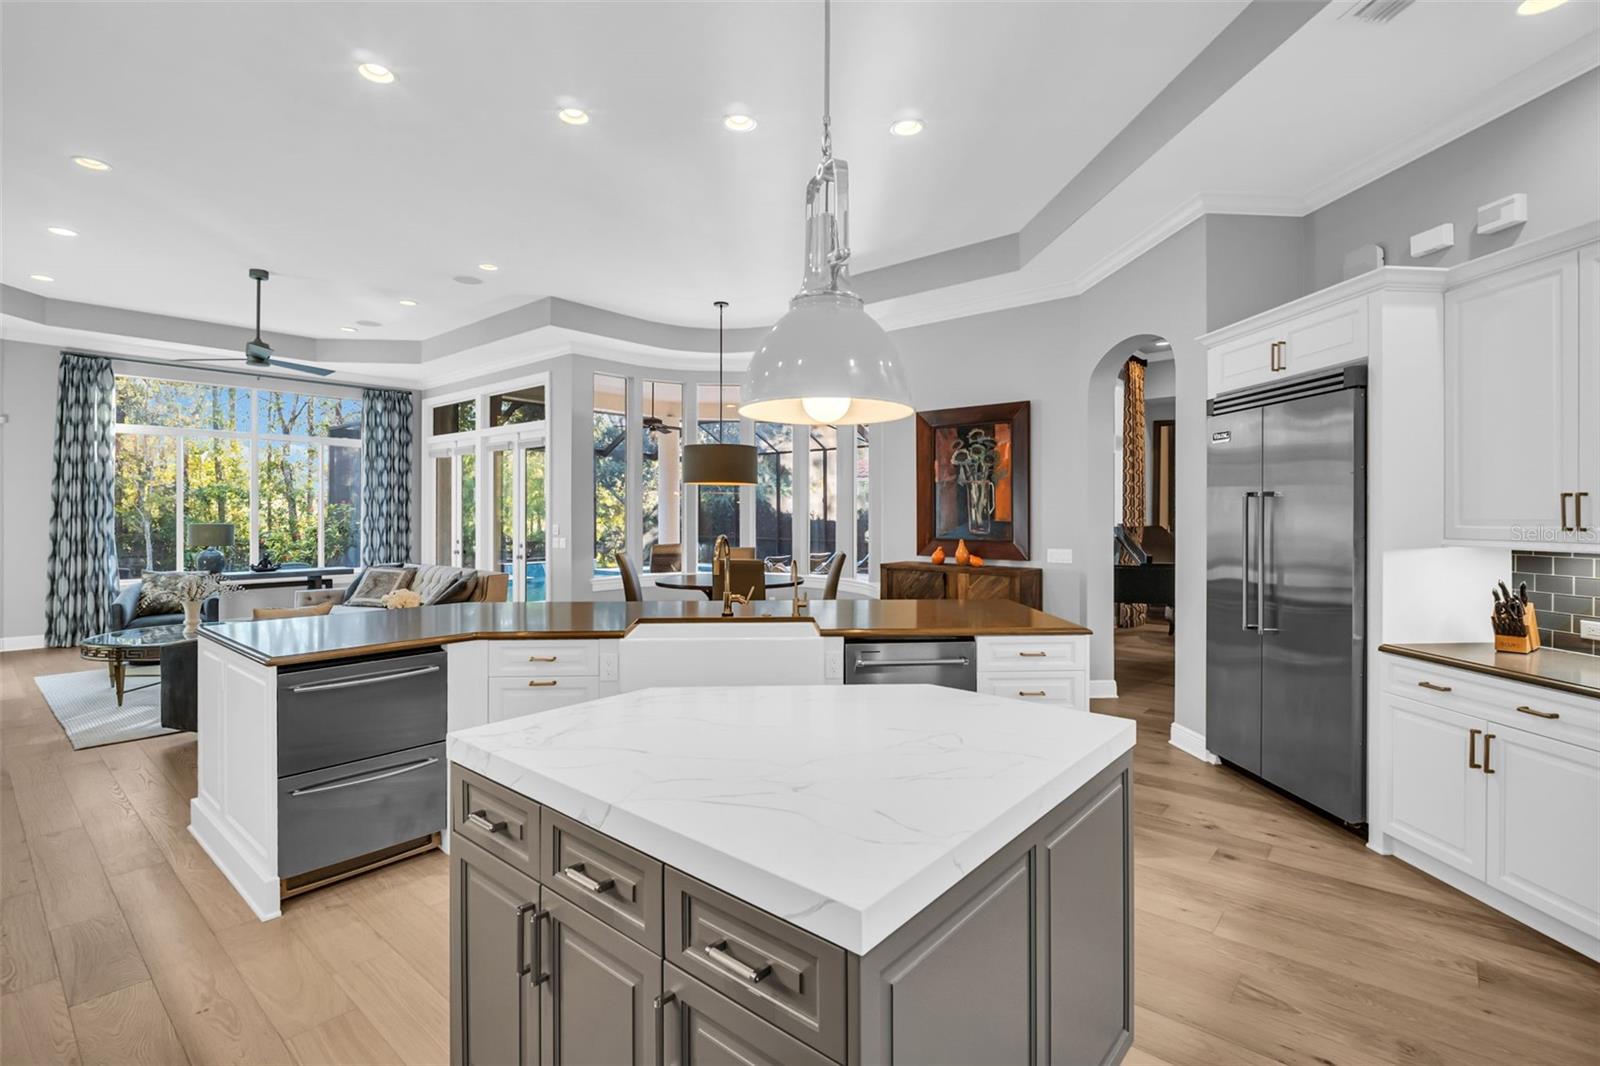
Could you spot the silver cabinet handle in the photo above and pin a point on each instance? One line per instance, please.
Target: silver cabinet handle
(575, 874)
(1539, 714)
(537, 975)
(522, 938)
(1244, 567)
(374, 679)
(960, 660)
(479, 819)
(362, 779)
(1263, 564)
(718, 953)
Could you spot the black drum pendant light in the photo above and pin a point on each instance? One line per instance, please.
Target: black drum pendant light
(720, 463)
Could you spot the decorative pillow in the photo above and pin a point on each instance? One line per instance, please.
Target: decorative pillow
(158, 593)
(376, 583)
(355, 582)
(262, 613)
(462, 590)
(434, 582)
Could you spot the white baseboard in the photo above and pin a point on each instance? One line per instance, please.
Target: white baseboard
(1191, 743)
(1103, 689)
(21, 643)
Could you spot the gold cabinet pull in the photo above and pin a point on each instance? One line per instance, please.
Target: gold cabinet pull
(1488, 738)
(542, 658)
(1472, 749)
(1033, 654)
(1539, 714)
(1038, 693)
(1430, 686)
(542, 684)
(1565, 528)
(1577, 499)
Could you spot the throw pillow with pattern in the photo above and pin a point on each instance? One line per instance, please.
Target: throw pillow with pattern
(158, 593)
(376, 583)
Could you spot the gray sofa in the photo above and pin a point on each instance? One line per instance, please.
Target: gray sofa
(127, 602)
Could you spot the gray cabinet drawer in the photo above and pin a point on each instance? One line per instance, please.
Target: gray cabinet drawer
(699, 1027)
(496, 819)
(613, 882)
(784, 974)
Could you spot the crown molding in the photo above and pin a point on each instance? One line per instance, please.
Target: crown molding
(1576, 59)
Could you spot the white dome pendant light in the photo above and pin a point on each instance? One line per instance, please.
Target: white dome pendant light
(827, 362)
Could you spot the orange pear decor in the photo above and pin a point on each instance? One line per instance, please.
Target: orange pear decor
(938, 555)
(974, 560)
(962, 555)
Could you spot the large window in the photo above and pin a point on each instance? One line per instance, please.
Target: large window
(774, 490)
(282, 469)
(823, 512)
(717, 511)
(662, 496)
(610, 471)
(863, 509)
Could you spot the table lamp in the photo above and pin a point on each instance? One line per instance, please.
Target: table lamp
(210, 536)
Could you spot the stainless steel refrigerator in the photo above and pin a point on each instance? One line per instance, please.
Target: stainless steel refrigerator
(1286, 586)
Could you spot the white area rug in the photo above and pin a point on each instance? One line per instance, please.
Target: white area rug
(86, 705)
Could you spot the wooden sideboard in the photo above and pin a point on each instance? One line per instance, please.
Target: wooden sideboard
(918, 580)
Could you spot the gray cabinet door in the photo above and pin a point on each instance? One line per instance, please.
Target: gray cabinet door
(598, 1005)
(1084, 891)
(494, 1016)
(704, 1028)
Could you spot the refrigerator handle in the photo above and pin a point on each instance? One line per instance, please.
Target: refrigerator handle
(1244, 572)
(1263, 566)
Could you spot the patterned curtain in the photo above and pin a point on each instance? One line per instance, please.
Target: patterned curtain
(385, 476)
(1133, 477)
(82, 571)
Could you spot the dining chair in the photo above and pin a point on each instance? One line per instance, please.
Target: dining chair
(748, 577)
(741, 553)
(666, 558)
(835, 567)
(632, 587)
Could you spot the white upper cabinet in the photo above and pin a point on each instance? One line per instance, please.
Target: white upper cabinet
(1521, 399)
(1317, 338)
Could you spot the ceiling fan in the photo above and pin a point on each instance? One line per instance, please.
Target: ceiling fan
(257, 352)
(651, 423)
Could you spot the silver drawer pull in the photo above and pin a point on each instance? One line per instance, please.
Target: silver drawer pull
(1430, 686)
(480, 819)
(542, 658)
(363, 779)
(1539, 714)
(718, 953)
(543, 684)
(323, 686)
(1039, 692)
(960, 660)
(1033, 654)
(575, 874)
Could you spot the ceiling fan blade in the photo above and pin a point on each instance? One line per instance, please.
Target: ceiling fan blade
(304, 368)
(220, 359)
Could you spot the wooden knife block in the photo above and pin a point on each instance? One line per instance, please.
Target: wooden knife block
(1521, 645)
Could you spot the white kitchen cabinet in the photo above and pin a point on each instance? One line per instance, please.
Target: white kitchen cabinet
(1050, 669)
(1436, 802)
(1544, 825)
(513, 697)
(1588, 430)
(1324, 330)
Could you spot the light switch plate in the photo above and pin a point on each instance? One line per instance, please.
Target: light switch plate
(1589, 628)
(1059, 555)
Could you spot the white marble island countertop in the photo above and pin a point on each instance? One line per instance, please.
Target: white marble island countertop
(843, 809)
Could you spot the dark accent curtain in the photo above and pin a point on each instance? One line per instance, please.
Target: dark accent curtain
(82, 571)
(385, 476)
(1133, 475)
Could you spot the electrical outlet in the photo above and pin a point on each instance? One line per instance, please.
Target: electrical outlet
(1589, 628)
(1059, 555)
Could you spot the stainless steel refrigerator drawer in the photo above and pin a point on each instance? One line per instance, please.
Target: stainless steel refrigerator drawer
(337, 714)
(342, 812)
(951, 663)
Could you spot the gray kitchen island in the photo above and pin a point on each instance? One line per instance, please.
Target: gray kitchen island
(792, 874)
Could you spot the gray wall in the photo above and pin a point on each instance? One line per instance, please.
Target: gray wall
(1548, 148)
(28, 396)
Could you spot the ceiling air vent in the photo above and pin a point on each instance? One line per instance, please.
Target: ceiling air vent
(1376, 10)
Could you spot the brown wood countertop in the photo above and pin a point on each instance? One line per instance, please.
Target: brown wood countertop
(1566, 671)
(352, 634)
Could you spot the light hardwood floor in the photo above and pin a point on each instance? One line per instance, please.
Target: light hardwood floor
(1264, 933)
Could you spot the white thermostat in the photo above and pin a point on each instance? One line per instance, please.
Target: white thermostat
(1503, 213)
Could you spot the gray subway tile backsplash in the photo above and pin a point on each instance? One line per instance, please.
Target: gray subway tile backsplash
(1565, 590)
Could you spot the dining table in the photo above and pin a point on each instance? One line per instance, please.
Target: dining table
(701, 582)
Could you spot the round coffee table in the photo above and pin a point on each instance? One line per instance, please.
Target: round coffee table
(121, 647)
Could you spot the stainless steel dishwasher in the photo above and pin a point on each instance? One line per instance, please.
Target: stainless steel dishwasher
(361, 763)
(951, 663)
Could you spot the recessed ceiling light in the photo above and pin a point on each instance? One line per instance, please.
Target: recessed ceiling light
(487, 266)
(739, 123)
(90, 163)
(376, 72)
(1538, 7)
(408, 303)
(41, 277)
(349, 329)
(573, 116)
(906, 127)
(61, 231)
(1161, 344)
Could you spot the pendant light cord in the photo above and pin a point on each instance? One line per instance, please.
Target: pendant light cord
(722, 396)
(827, 78)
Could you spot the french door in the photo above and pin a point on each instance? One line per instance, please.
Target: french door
(517, 514)
(455, 507)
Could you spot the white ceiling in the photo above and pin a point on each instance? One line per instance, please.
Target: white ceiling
(241, 136)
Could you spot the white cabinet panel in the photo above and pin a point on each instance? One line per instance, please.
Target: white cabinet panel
(1512, 399)
(1436, 801)
(1325, 338)
(1588, 481)
(1012, 654)
(1066, 690)
(513, 697)
(1242, 363)
(1544, 825)
(544, 658)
